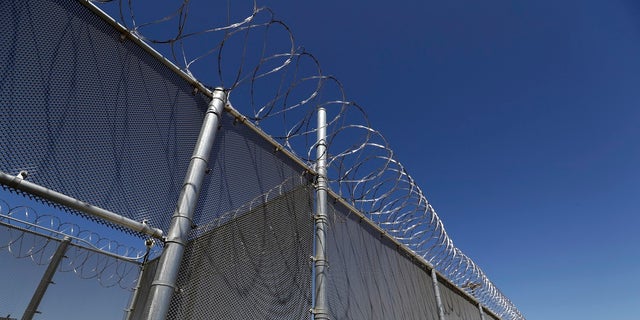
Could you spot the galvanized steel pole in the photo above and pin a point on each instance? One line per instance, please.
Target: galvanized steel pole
(320, 308)
(164, 283)
(481, 311)
(32, 308)
(19, 182)
(436, 289)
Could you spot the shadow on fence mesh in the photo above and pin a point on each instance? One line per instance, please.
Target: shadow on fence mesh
(88, 110)
(364, 259)
(255, 266)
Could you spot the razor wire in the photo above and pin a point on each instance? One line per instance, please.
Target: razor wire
(244, 48)
(32, 235)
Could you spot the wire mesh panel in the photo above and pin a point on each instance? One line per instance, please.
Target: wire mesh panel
(89, 113)
(81, 288)
(92, 115)
(254, 265)
(369, 278)
(243, 166)
(456, 307)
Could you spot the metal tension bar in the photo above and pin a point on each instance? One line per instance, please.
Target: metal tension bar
(164, 283)
(18, 182)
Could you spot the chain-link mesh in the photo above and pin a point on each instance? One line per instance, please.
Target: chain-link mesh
(244, 47)
(91, 115)
(372, 277)
(456, 307)
(243, 166)
(254, 266)
(113, 126)
(88, 112)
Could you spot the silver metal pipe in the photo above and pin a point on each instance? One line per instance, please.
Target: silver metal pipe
(187, 77)
(320, 307)
(136, 292)
(134, 297)
(32, 308)
(481, 311)
(164, 283)
(436, 289)
(17, 182)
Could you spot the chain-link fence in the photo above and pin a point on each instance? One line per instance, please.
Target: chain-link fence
(89, 110)
(93, 278)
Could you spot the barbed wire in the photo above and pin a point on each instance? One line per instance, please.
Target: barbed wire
(29, 234)
(244, 48)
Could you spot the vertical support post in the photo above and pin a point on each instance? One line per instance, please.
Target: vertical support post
(481, 311)
(32, 308)
(134, 298)
(136, 292)
(436, 289)
(164, 283)
(320, 307)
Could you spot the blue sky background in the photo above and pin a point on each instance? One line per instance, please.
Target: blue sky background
(520, 121)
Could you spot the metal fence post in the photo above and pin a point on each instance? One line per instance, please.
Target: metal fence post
(436, 289)
(481, 311)
(32, 308)
(164, 283)
(320, 307)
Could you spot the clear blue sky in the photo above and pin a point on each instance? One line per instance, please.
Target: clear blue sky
(521, 122)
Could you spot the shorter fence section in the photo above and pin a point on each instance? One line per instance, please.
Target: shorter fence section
(373, 277)
(88, 110)
(251, 263)
(93, 279)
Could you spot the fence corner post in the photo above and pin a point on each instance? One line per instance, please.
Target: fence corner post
(164, 283)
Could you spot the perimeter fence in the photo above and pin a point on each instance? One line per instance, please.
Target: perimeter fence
(35, 239)
(90, 111)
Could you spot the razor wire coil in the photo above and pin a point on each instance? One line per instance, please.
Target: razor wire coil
(254, 56)
(32, 235)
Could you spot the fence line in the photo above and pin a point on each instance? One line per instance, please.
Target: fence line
(29, 234)
(254, 55)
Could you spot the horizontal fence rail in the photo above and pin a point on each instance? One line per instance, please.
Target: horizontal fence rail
(18, 182)
(254, 55)
(151, 108)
